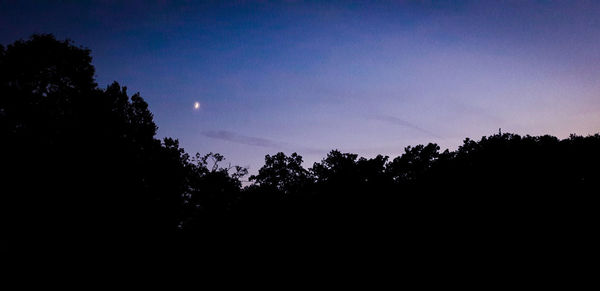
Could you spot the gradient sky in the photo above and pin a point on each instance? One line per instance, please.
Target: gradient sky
(365, 77)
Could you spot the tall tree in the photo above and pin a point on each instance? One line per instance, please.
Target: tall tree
(81, 159)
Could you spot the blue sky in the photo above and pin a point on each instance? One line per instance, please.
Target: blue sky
(310, 76)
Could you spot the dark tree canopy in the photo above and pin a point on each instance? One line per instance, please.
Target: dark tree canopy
(282, 173)
(85, 161)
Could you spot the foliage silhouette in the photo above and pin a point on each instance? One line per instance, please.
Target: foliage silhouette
(82, 160)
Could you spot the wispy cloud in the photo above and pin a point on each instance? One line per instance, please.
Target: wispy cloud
(242, 139)
(404, 123)
(257, 141)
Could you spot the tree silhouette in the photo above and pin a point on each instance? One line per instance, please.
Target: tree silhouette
(413, 164)
(81, 161)
(282, 174)
(214, 192)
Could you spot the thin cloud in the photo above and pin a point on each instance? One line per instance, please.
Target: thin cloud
(404, 123)
(257, 141)
(242, 139)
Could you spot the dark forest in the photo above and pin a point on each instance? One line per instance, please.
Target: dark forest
(82, 162)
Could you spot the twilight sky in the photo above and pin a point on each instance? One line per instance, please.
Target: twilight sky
(365, 77)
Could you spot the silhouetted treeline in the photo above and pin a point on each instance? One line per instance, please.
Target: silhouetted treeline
(79, 159)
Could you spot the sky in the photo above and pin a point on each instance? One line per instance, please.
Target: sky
(367, 77)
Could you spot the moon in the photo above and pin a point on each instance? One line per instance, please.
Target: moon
(196, 105)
